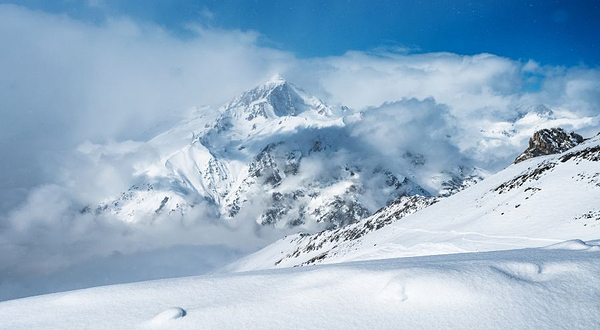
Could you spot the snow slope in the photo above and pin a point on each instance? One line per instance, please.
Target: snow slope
(533, 203)
(553, 288)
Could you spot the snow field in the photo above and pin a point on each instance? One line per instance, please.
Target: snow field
(554, 288)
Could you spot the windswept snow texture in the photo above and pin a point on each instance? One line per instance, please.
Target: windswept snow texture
(554, 288)
(536, 202)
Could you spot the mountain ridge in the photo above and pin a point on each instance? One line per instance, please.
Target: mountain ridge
(545, 199)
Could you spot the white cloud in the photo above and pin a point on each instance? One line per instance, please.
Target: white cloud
(65, 81)
(408, 125)
(50, 231)
(360, 79)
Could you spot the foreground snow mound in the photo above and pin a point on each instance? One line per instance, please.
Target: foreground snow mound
(168, 314)
(575, 244)
(517, 289)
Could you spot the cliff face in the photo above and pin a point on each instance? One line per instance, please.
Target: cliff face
(549, 141)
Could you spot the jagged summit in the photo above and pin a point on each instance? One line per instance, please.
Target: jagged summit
(275, 98)
(276, 79)
(549, 141)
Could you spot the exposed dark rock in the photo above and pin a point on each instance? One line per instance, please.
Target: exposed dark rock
(162, 204)
(534, 173)
(531, 174)
(549, 141)
(314, 259)
(327, 240)
(414, 158)
(264, 166)
(292, 164)
(316, 147)
(342, 211)
(459, 180)
(272, 215)
(591, 154)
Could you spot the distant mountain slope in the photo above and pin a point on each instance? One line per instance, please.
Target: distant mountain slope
(533, 203)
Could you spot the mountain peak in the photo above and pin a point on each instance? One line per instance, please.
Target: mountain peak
(275, 80)
(533, 109)
(549, 141)
(275, 98)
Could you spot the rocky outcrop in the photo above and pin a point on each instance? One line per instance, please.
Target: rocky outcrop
(312, 249)
(549, 141)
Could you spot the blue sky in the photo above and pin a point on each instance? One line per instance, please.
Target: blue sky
(551, 32)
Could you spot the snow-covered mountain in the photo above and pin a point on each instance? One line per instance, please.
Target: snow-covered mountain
(534, 202)
(280, 157)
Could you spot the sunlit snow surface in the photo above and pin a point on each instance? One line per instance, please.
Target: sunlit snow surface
(551, 288)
